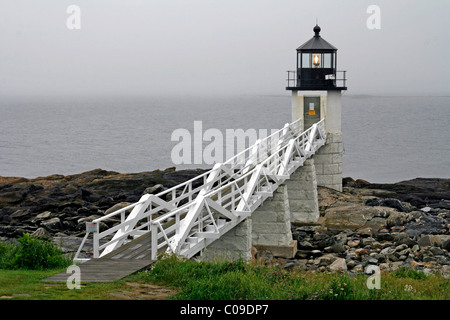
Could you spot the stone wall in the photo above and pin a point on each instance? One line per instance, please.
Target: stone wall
(269, 227)
(328, 162)
(302, 193)
(271, 221)
(235, 244)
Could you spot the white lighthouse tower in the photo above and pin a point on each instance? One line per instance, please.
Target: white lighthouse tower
(317, 88)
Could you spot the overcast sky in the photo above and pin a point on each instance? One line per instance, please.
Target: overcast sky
(145, 47)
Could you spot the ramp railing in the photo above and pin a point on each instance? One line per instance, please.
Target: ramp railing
(137, 218)
(217, 211)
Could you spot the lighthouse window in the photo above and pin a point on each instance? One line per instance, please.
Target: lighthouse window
(306, 62)
(327, 60)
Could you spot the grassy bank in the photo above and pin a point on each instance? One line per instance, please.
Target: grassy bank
(23, 267)
(241, 281)
(187, 280)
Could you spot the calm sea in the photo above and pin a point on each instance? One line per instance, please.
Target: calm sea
(386, 139)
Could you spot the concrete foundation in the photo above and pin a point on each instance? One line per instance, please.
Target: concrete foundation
(287, 251)
(271, 226)
(235, 244)
(328, 162)
(302, 193)
(271, 223)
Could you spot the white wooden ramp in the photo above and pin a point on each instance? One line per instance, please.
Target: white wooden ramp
(188, 217)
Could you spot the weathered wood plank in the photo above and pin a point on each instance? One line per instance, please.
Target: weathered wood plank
(104, 270)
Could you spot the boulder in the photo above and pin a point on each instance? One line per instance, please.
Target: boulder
(305, 245)
(42, 233)
(154, 189)
(385, 236)
(339, 265)
(295, 265)
(5, 219)
(396, 219)
(44, 215)
(264, 255)
(11, 197)
(399, 237)
(342, 218)
(20, 214)
(391, 203)
(89, 195)
(365, 232)
(446, 244)
(444, 238)
(376, 224)
(369, 260)
(322, 240)
(353, 243)
(408, 241)
(88, 219)
(325, 260)
(367, 241)
(338, 248)
(52, 225)
(116, 207)
(429, 240)
(427, 225)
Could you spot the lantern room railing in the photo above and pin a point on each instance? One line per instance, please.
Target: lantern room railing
(335, 80)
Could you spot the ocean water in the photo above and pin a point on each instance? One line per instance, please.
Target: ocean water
(386, 138)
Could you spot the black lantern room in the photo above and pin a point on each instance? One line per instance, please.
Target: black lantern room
(316, 66)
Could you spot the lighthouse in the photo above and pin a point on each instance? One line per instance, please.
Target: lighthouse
(317, 87)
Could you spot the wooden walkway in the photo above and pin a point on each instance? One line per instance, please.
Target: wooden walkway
(104, 270)
(123, 261)
(129, 258)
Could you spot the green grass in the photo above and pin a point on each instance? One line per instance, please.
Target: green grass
(242, 281)
(23, 266)
(231, 281)
(28, 285)
(410, 273)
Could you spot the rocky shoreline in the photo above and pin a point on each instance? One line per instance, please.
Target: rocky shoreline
(406, 224)
(60, 205)
(389, 225)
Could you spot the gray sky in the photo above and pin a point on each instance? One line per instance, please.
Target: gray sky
(142, 47)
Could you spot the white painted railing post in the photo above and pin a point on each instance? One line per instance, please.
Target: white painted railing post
(132, 220)
(154, 240)
(96, 240)
(312, 135)
(253, 157)
(249, 188)
(285, 160)
(77, 254)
